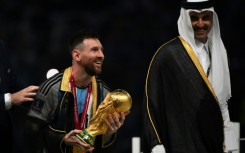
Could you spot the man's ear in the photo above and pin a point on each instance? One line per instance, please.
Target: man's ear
(75, 54)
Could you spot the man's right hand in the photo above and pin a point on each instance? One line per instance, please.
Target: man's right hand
(72, 140)
(24, 95)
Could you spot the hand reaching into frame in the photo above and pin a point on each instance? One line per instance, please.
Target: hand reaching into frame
(25, 95)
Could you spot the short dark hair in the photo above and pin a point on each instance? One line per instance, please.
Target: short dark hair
(79, 38)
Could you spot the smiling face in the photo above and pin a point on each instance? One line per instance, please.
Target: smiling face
(201, 23)
(91, 56)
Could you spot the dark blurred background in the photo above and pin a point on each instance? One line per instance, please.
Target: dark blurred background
(37, 33)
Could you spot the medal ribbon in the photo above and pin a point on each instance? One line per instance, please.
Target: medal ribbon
(79, 125)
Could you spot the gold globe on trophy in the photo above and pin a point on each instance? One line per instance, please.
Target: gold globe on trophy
(117, 101)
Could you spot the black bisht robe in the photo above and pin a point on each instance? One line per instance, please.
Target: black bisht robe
(180, 109)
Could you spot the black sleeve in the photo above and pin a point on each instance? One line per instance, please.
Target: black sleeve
(9, 82)
(153, 107)
(39, 136)
(33, 135)
(37, 130)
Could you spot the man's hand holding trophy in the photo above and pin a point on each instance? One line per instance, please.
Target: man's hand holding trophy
(117, 102)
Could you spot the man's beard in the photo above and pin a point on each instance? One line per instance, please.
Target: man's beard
(92, 71)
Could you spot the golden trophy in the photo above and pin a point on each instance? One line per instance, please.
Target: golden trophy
(117, 101)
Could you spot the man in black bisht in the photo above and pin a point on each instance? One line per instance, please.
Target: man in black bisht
(187, 88)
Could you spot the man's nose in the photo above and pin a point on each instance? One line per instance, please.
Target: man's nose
(200, 23)
(100, 53)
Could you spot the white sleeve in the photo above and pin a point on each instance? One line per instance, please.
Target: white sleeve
(158, 149)
(231, 142)
(7, 98)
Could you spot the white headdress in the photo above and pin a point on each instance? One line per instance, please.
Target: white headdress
(219, 76)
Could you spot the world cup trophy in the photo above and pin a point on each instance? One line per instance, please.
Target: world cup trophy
(117, 101)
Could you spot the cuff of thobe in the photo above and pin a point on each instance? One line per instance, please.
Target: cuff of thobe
(158, 149)
(7, 98)
(231, 142)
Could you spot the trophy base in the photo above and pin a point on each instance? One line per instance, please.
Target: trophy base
(86, 137)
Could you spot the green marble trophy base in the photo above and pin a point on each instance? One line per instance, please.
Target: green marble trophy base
(86, 137)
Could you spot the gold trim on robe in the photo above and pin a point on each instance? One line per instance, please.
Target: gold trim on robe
(195, 60)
